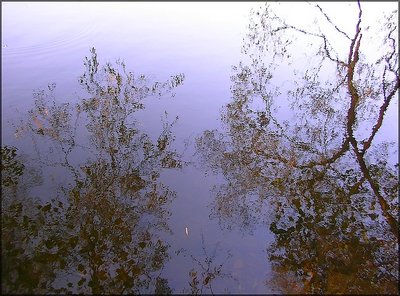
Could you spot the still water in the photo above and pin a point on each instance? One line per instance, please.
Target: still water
(181, 148)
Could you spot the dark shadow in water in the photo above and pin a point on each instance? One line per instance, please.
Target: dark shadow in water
(100, 231)
(318, 179)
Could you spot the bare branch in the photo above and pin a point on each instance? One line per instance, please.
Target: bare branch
(355, 188)
(352, 61)
(393, 223)
(286, 26)
(353, 41)
(395, 71)
(327, 52)
(382, 111)
(330, 21)
(339, 153)
(323, 37)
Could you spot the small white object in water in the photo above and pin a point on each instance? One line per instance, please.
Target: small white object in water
(186, 231)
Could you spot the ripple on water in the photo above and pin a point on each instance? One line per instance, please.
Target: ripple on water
(49, 44)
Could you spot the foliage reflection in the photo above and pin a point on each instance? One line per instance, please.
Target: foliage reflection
(100, 232)
(318, 178)
(206, 270)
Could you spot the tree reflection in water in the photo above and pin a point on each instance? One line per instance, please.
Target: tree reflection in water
(319, 179)
(206, 270)
(101, 232)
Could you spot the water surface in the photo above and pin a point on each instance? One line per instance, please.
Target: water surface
(166, 148)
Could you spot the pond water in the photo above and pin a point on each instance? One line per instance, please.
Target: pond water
(171, 148)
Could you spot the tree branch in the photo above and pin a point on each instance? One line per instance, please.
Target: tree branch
(323, 37)
(393, 223)
(382, 111)
(339, 153)
(355, 188)
(330, 21)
